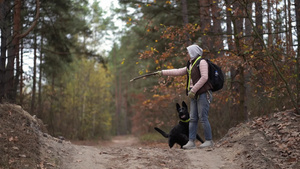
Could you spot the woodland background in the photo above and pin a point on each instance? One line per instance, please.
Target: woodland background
(83, 93)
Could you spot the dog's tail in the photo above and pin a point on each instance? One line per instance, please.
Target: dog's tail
(162, 132)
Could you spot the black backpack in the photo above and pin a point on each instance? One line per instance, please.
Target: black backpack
(215, 76)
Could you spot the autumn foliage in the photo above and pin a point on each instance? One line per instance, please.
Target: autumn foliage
(261, 75)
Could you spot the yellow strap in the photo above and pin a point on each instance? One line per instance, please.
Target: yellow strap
(190, 72)
(185, 121)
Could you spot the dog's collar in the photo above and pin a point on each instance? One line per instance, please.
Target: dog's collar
(185, 121)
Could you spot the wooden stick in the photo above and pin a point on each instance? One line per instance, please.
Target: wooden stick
(145, 75)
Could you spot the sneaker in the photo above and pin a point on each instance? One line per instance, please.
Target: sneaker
(189, 145)
(207, 143)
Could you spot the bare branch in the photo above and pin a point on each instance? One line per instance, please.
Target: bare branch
(34, 22)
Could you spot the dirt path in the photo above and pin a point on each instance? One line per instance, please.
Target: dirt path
(266, 142)
(34, 148)
(126, 152)
(213, 158)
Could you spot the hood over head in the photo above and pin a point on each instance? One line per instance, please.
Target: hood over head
(194, 51)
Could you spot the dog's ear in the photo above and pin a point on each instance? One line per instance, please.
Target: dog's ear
(184, 104)
(177, 106)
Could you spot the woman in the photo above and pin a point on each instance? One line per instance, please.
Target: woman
(198, 89)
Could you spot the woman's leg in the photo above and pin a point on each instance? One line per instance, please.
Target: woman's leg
(193, 124)
(203, 110)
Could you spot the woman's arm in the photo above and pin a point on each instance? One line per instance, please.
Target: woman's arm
(174, 72)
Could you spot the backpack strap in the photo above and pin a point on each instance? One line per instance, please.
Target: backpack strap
(189, 71)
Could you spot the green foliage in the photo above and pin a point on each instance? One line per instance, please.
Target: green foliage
(62, 22)
(75, 100)
(85, 101)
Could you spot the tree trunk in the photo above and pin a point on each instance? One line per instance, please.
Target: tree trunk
(291, 44)
(228, 25)
(287, 40)
(9, 74)
(246, 75)
(10, 85)
(248, 27)
(126, 109)
(34, 76)
(185, 20)
(51, 116)
(259, 24)
(217, 41)
(288, 26)
(238, 35)
(4, 19)
(243, 94)
(21, 75)
(117, 95)
(297, 10)
(269, 24)
(238, 25)
(205, 24)
(277, 24)
(40, 109)
(120, 104)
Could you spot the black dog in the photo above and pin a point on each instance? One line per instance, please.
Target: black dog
(180, 133)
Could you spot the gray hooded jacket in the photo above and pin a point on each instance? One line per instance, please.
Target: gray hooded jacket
(194, 51)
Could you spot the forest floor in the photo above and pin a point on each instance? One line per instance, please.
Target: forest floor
(265, 142)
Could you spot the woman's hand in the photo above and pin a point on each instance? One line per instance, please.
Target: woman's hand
(158, 73)
(191, 94)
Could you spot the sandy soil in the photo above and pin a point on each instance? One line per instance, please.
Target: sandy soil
(127, 152)
(266, 142)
